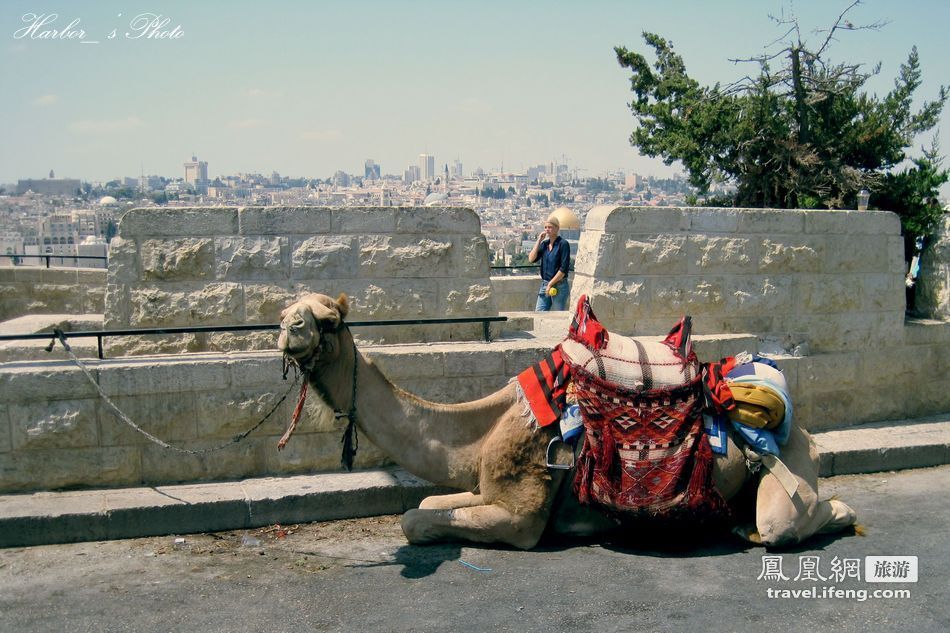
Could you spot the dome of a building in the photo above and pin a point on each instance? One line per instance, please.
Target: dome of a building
(567, 218)
(434, 199)
(104, 200)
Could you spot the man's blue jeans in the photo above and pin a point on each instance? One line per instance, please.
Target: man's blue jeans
(557, 302)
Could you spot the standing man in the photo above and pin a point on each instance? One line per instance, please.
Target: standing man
(555, 255)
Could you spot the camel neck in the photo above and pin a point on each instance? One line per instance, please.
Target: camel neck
(437, 442)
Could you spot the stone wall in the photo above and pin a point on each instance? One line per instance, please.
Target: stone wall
(518, 293)
(33, 290)
(222, 266)
(55, 432)
(830, 280)
(933, 287)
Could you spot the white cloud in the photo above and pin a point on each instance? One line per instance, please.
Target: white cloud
(45, 100)
(321, 135)
(248, 124)
(88, 126)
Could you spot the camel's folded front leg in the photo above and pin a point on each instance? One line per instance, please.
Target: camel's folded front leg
(450, 502)
(481, 524)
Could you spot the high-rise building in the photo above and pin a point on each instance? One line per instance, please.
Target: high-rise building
(412, 174)
(427, 167)
(196, 174)
(457, 170)
(371, 170)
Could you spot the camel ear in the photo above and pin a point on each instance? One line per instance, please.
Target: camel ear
(343, 305)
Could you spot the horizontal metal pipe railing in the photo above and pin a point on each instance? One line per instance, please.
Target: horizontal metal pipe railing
(196, 329)
(100, 258)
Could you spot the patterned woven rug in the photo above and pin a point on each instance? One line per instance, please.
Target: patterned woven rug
(645, 451)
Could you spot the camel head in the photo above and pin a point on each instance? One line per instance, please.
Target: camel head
(309, 328)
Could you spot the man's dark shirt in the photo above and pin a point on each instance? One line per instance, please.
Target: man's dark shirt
(558, 258)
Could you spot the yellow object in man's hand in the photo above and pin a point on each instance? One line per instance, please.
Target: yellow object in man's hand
(552, 291)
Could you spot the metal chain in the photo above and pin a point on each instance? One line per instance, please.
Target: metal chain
(61, 337)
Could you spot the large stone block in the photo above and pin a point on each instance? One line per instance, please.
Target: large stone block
(245, 459)
(485, 362)
(123, 261)
(884, 292)
(54, 424)
(771, 221)
(284, 220)
(791, 254)
(642, 220)
(689, 295)
(465, 299)
(717, 255)
(394, 299)
(823, 294)
(117, 306)
(264, 303)
(252, 258)
(755, 295)
(41, 381)
(254, 369)
(171, 420)
(22, 471)
(93, 299)
(655, 254)
(181, 305)
(852, 222)
(864, 253)
(154, 344)
(436, 220)
(363, 220)
(621, 298)
(225, 414)
(829, 372)
(474, 261)
(51, 298)
(398, 364)
(6, 443)
(713, 220)
(385, 256)
(179, 222)
(309, 453)
(177, 260)
(171, 376)
(325, 257)
(595, 255)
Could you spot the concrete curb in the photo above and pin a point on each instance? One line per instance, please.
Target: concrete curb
(65, 517)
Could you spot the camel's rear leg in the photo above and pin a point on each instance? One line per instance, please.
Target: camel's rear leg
(782, 520)
(481, 524)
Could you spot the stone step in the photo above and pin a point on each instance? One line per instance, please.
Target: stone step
(88, 515)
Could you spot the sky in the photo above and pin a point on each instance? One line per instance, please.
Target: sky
(306, 88)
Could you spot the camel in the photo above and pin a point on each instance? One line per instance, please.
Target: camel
(485, 447)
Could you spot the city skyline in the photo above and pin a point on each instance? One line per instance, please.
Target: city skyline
(307, 89)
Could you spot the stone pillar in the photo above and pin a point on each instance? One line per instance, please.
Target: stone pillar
(933, 282)
(222, 266)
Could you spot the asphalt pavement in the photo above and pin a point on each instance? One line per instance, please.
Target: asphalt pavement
(360, 575)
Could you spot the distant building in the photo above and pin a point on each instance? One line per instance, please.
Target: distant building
(49, 186)
(341, 179)
(371, 170)
(412, 174)
(196, 174)
(457, 170)
(427, 167)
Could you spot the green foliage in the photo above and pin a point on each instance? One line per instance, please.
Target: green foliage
(804, 136)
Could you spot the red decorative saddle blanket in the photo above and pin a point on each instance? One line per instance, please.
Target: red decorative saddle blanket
(641, 403)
